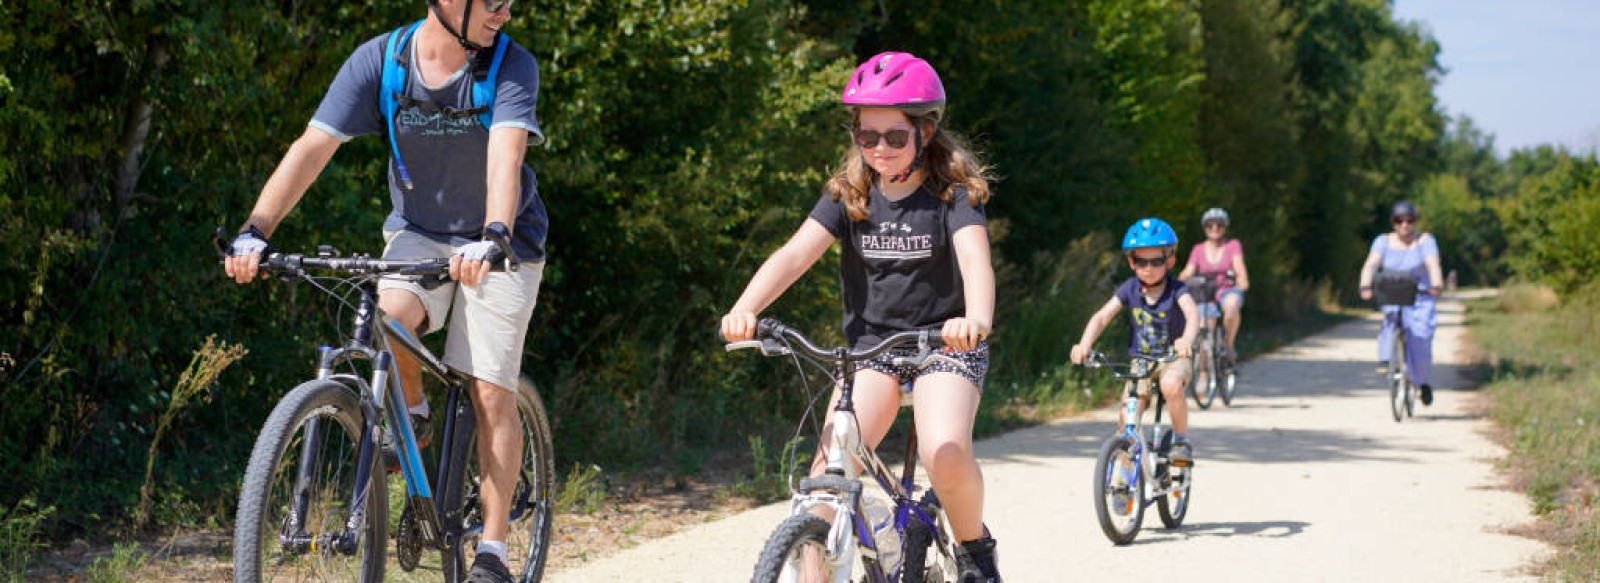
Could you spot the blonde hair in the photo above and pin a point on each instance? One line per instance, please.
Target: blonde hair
(947, 164)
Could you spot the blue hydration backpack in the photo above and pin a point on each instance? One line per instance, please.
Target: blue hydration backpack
(397, 69)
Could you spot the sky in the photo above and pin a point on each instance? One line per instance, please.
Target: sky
(1526, 71)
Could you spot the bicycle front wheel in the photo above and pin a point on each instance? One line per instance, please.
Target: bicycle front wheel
(1119, 489)
(925, 561)
(295, 507)
(796, 551)
(532, 508)
(1397, 377)
(1203, 383)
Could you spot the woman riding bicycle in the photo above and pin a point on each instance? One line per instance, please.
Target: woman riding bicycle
(460, 185)
(1221, 260)
(907, 204)
(1408, 250)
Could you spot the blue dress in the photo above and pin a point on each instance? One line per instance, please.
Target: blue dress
(1419, 319)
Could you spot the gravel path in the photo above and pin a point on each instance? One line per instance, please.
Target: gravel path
(1306, 478)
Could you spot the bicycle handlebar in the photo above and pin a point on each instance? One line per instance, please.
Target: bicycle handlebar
(772, 334)
(328, 259)
(1099, 359)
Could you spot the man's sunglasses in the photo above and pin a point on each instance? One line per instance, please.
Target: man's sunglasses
(1151, 262)
(496, 5)
(868, 139)
(1403, 220)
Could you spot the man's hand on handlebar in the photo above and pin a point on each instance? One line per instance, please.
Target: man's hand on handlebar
(244, 253)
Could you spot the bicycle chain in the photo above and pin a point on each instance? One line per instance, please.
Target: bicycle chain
(408, 539)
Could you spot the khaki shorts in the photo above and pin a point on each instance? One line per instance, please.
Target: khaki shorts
(1161, 369)
(488, 323)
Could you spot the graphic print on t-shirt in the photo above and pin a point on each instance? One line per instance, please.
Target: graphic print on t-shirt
(893, 240)
(1149, 329)
(421, 123)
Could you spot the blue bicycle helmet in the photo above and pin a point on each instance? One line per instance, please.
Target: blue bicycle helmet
(1149, 232)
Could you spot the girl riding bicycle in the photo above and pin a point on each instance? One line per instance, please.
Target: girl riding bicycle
(1409, 250)
(1163, 319)
(907, 203)
(1222, 260)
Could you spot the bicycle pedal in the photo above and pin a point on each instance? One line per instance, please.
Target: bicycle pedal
(1182, 463)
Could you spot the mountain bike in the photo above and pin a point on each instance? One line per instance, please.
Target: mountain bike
(1397, 290)
(1132, 472)
(911, 541)
(1213, 372)
(314, 502)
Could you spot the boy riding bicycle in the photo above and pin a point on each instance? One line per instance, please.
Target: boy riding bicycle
(1163, 318)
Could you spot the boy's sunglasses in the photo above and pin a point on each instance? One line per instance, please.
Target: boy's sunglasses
(868, 139)
(1403, 220)
(1151, 262)
(496, 5)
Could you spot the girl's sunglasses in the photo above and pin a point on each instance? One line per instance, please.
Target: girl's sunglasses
(496, 5)
(1151, 262)
(868, 139)
(1403, 220)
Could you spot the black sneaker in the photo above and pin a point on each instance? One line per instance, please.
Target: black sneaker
(421, 426)
(1427, 394)
(976, 561)
(487, 568)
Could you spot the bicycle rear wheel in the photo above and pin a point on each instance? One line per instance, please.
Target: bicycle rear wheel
(1203, 381)
(1397, 377)
(1229, 380)
(1119, 489)
(295, 502)
(532, 508)
(796, 551)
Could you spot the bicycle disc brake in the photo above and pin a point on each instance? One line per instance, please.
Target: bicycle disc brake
(408, 539)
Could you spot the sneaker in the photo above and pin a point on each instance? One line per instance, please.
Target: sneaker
(421, 426)
(1229, 355)
(487, 568)
(1427, 394)
(1383, 367)
(976, 561)
(1182, 455)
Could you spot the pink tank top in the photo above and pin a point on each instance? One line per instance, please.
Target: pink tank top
(1204, 266)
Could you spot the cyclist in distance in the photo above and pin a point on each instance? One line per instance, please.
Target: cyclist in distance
(461, 183)
(1215, 258)
(1408, 249)
(1162, 316)
(907, 206)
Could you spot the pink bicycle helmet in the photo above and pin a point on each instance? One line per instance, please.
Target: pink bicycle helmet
(898, 80)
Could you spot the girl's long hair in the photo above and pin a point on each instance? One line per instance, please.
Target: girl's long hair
(947, 164)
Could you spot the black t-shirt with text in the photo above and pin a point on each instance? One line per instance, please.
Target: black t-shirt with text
(898, 268)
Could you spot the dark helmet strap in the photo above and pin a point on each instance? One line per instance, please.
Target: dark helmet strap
(466, 17)
(916, 158)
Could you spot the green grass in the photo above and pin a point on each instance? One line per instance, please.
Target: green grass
(1544, 383)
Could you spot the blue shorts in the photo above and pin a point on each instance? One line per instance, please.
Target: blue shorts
(1214, 309)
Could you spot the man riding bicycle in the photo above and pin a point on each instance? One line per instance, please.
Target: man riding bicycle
(456, 181)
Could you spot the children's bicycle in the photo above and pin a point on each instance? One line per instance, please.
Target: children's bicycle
(314, 505)
(1132, 472)
(909, 541)
(1213, 372)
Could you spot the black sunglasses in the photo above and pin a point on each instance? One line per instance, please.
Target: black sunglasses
(496, 5)
(1403, 220)
(868, 139)
(1151, 262)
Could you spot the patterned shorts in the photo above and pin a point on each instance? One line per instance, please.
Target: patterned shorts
(975, 363)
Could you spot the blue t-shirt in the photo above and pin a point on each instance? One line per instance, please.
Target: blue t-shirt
(1155, 325)
(1408, 260)
(447, 158)
(898, 268)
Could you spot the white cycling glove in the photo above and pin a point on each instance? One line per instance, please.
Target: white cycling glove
(480, 251)
(248, 242)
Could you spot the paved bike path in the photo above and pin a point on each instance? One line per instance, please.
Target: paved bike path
(1306, 478)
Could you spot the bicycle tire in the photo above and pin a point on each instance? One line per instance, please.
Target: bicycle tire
(1203, 377)
(782, 554)
(1397, 376)
(936, 567)
(277, 454)
(533, 509)
(1131, 508)
(1230, 382)
(1174, 506)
